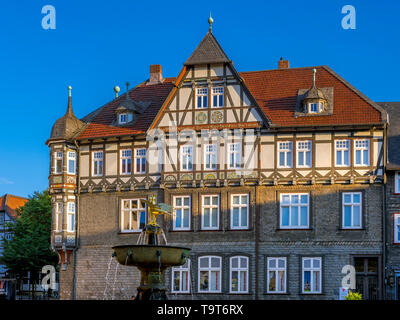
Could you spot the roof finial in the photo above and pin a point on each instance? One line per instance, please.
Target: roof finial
(127, 86)
(116, 90)
(210, 22)
(69, 107)
(314, 73)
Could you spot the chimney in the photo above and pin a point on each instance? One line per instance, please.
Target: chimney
(283, 64)
(155, 74)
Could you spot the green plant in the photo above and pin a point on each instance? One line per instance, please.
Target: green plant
(353, 296)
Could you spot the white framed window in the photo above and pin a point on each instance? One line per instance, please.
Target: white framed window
(311, 275)
(71, 216)
(217, 96)
(210, 212)
(239, 211)
(58, 162)
(124, 118)
(361, 152)
(239, 274)
(181, 278)
(133, 215)
(315, 107)
(210, 156)
(58, 216)
(181, 213)
(234, 155)
(396, 228)
(294, 211)
(285, 154)
(126, 161)
(140, 160)
(342, 153)
(210, 274)
(8, 236)
(397, 182)
(304, 152)
(97, 163)
(352, 210)
(202, 98)
(186, 158)
(71, 158)
(276, 275)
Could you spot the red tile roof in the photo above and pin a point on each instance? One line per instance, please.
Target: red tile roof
(100, 125)
(10, 203)
(275, 92)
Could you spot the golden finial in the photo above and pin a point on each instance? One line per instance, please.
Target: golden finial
(116, 90)
(69, 90)
(210, 22)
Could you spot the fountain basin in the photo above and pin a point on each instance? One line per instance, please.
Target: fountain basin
(151, 256)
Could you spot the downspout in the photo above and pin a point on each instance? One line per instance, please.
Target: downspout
(384, 217)
(77, 215)
(257, 231)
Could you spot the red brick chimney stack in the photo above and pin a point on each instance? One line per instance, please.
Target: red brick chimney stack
(283, 64)
(155, 74)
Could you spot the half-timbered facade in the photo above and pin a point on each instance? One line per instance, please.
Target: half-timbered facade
(275, 177)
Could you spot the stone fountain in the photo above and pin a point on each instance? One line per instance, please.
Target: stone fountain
(150, 257)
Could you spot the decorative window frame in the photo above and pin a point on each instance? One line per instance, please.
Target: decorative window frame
(210, 206)
(212, 153)
(138, 210)
(182, 207)
(237, 155)
(128, 159)
(290, 205)
(58, 216)
(239, 269)
(285, 151)
(97, 159)
(71, 214)
(181, 269)
(311, 269)
(396, 225)
(309, 149)
(277, 269)
(240, 205)
(352, 204)
(71, 156)
(361, 149)
(397, 182)
(202, 93)
(210, 269)
(217, 92)
(58, 155)
(186, 156)
(342, 149)
(141, 158)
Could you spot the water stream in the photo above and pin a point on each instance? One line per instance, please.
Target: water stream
(106, 278)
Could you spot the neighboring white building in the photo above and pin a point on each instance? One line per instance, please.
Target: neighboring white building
(8, 205)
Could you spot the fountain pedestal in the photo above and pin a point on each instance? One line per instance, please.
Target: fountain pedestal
(152, 260)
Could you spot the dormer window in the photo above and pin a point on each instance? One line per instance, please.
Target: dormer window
(125, 118)
(315, 107)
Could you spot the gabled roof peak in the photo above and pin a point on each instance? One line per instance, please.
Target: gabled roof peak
(208, 51)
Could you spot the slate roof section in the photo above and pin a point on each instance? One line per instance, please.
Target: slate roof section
(67, 126)
(393, 110)
(9, 203)
(208, 51)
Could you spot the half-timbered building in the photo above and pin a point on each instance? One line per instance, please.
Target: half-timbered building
(275, 178)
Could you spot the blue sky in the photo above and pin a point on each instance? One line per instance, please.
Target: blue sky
(99, 44)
